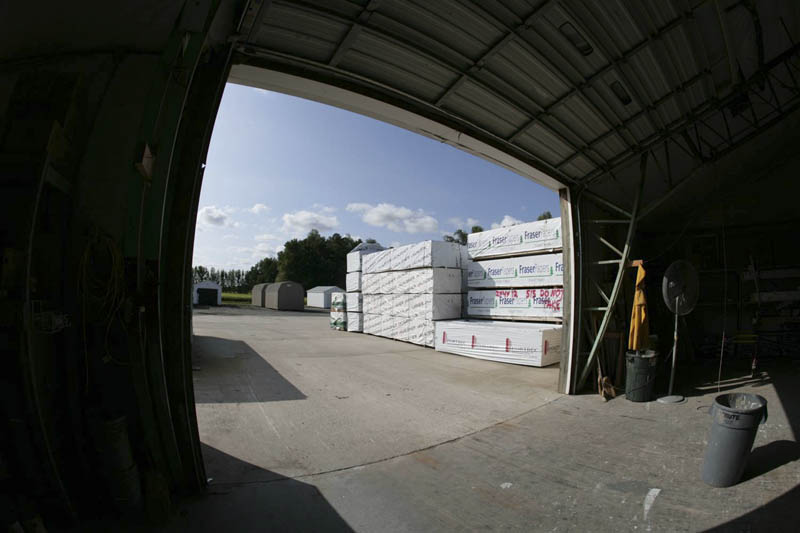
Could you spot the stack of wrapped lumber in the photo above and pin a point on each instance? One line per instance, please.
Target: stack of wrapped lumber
(514, 273)
(353, 306)
(407, 289)
(338, 311)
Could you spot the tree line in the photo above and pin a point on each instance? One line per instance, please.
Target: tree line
(312, 261)
(460, 236)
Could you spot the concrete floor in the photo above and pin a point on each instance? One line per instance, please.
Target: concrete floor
(309, 429)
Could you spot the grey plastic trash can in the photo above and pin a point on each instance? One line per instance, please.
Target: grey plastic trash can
(640, 374)
(735, 419)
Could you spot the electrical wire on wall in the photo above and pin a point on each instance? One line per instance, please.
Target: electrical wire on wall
(724, 300)
(102, 291)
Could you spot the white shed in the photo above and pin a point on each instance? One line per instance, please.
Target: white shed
(207, 293)
(321, 296)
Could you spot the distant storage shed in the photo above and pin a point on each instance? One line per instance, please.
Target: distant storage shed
(207, 293)
(284, 296)
(321, 296)
(259, 294)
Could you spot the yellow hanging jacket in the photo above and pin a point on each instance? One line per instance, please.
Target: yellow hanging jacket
(640, 329)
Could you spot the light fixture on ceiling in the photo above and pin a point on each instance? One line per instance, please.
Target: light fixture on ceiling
(574, 36)
(621, 93)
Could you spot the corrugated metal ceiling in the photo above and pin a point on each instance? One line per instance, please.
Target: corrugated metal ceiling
(579, 88)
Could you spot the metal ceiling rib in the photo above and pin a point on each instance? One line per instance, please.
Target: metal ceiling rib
(577, 87)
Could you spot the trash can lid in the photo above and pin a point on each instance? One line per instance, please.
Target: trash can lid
(739, 410)
(741, 402)
(640, 353)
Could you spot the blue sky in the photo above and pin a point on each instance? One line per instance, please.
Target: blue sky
(279, 166)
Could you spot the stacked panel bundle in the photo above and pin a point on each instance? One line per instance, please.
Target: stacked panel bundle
(514, 273)
(353, 300)
(508, 342)
(339, 311)
(407, 289)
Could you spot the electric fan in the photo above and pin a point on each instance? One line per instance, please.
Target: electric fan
(680, 289)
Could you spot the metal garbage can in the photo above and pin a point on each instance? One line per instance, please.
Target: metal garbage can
(735, 419)
(640, 375)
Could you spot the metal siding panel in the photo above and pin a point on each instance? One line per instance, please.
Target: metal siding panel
(446, 21)
(548, 26)
(581, 165)
(480, 115)
(296, 44)
(580, 117)
(492, 103)
(344, 8)
(402, 58)
(306, 22)
(538, 136)
(380, 22)
(403, 77)
(524, 70)
(609, 146)
(622, 29)
(669, 110)
(641, 128)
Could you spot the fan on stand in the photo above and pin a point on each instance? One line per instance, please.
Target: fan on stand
(680, 289)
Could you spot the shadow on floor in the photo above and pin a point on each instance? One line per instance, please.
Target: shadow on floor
(222, 468)
(771, 456)
(230, 371)
(282, 504)
(779, 514)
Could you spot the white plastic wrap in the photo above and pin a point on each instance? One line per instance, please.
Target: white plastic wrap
(428, 281)
(355, 322)
(419, 331)
(519, 239)
(354, 258)
(424, 306)
(508, 342)
(516, 303)
(427, 254)
(379, 283)
(338, 301)
(370, 304)
(377, 262)
(353, 282)
(432, 306)
(414, 330)
(544, 270)
(354, 302)
(369, 321)
(380, 325)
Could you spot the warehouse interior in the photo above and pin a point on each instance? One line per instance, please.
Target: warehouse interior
(669, 129)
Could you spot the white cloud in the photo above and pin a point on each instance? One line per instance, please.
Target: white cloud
(210, 215)
(460, 223)
(301, 222)
(257, 252)
(455, 222)
(258, 208)
(324, 208)
(508, 220)
(357, 207)
(395, 218)
(262, 250)
(266, 237)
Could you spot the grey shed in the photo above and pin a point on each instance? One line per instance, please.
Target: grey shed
(284, 296)
(259, 294)
(321, 296)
